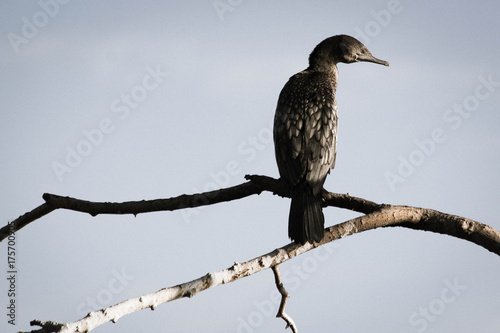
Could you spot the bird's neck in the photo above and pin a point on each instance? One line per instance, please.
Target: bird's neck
(329, 72)
(329, 68)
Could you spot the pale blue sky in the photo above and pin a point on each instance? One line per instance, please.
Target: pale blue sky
(160, 99)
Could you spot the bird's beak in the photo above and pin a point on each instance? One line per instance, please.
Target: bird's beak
(370, 58)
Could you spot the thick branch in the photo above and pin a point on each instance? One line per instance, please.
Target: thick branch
(256, 185)
(473, 231)
(388, 216)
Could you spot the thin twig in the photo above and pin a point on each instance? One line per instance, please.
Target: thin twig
(284, 297)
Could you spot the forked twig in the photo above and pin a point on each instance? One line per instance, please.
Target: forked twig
(284, 297)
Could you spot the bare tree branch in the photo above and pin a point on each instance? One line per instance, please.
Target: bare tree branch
(256, 185)
(377, 215)
(473, 231)
(387, 216)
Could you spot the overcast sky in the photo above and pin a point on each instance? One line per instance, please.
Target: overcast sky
(130, 100)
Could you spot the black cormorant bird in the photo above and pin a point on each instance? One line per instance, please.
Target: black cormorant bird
(305, 132)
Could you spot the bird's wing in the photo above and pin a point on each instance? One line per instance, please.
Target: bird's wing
(305, 129)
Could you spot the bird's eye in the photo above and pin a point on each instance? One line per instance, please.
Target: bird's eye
(363, 51)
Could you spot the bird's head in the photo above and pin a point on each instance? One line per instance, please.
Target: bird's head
(341, 48)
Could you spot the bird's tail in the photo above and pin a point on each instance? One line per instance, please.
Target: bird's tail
(306, 221)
